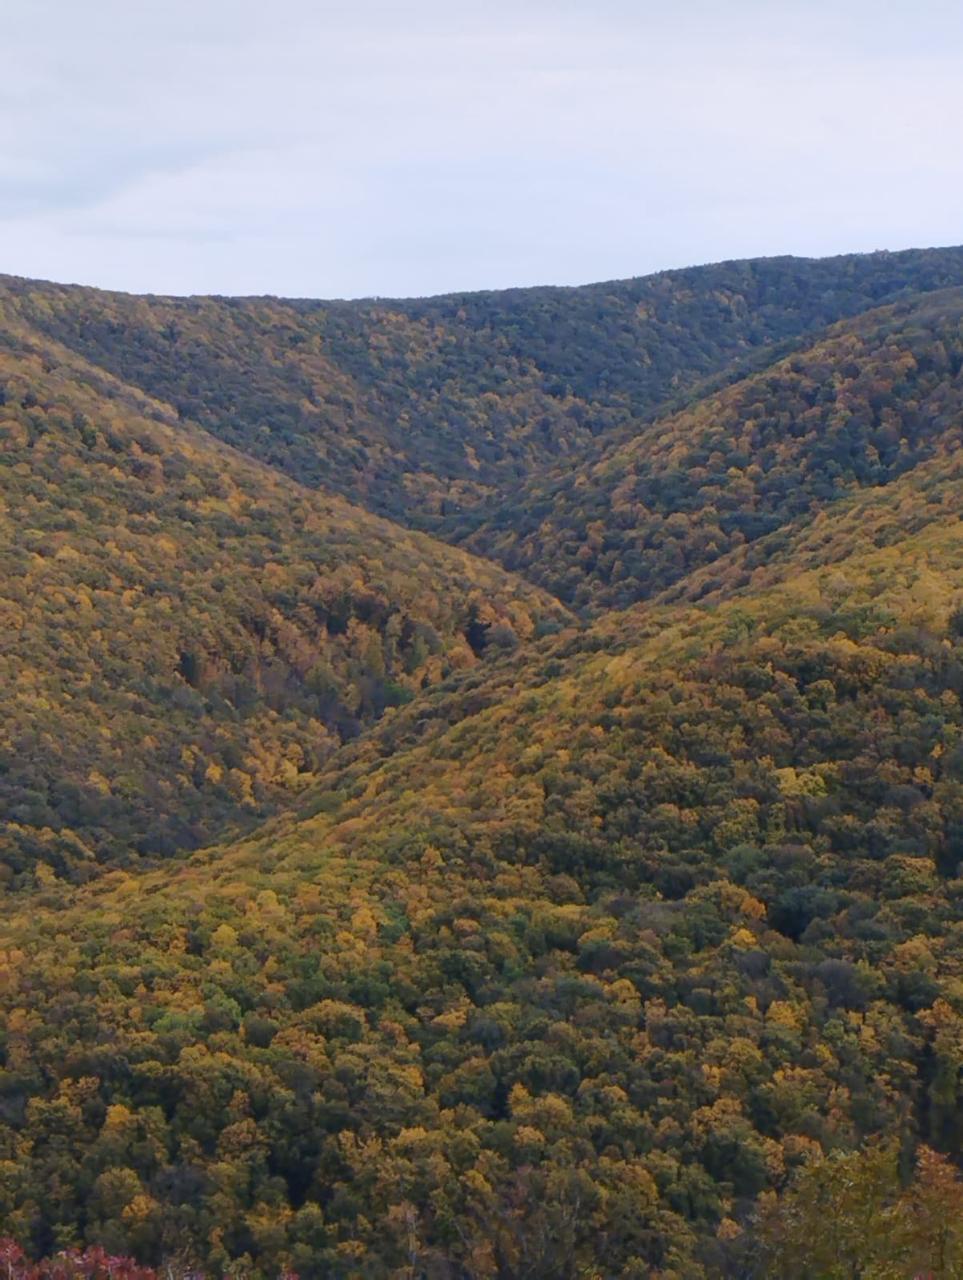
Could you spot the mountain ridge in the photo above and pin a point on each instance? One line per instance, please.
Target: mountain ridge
(612, 942)
(424, 409)
(806, 427)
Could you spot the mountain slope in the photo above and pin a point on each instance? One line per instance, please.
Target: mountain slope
(576, 956)
(189, 633)
(860, 407)
(423, 409)
(566, 944)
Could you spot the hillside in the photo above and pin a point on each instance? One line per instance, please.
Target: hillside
(369, 914)
(189, 634)
(575, 959)
(427, 408)
(858, 408)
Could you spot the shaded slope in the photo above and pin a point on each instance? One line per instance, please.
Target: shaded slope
(859, 408)
(576, 956)
(421, 409)
(188, 634)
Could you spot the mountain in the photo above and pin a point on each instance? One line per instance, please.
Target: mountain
(623, 942)
(189, 634)
(576, 957)
(424, 409)
(858, 408)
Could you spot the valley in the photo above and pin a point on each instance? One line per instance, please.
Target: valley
(482, 777)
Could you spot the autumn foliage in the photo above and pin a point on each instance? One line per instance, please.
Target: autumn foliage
(370, 913)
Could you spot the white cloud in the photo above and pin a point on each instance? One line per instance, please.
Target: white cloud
(317, 148)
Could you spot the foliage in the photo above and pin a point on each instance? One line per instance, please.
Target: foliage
(850, 1215)
(188, 633)
(624, 951)
(858, 409)
(427, 408)
(93, 1263)
(576, 958)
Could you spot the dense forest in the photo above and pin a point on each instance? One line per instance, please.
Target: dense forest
(427, 409)
(864, 404)
(189, 633)
(374, 910)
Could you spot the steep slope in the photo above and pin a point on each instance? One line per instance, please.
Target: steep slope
(422, 409)
(858, 408)
(188, 634)
(576, 956)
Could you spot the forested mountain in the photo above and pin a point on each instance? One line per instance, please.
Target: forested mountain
(423, 408)
(576, 958)
(860, 407)
(189, 634)
(625, 942)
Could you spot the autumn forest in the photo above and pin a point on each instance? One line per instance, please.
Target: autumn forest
(481, 780)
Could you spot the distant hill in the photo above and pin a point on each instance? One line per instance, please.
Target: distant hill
(426, 408)
(861, 406)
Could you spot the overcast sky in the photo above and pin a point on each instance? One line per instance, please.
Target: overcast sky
(314, 148)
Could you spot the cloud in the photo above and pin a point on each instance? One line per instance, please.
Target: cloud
(342, 149)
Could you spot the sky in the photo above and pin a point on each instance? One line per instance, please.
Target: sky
(319, 149)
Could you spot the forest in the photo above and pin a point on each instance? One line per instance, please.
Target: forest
(482, 780)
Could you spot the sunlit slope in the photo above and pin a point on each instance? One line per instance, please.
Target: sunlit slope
(574, 958)
(188, 633)
(859, 408)
(423, 409)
